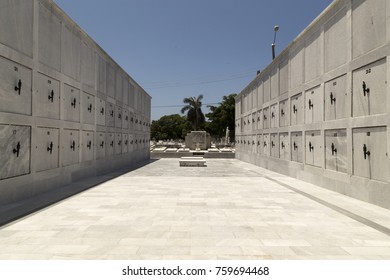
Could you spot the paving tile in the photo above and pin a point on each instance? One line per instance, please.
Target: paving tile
(228, 210)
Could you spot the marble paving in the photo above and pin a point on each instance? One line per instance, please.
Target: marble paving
(227, 210)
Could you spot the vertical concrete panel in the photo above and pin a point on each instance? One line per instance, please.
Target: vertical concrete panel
(71, 53)
(296, 146)
(336, 43)
(267, 89)
(70, 147)
(100, 144)
(313, 105)
(15, 150)
(110, 114)
(260, 119)
(16, 25)
(47, 148)
(110, 80)
(46, 97)
(370, 159)
(314, 151)
(87, 108)
(118, 117)
(49, 41)
(274, 83)
(296, 71)
(110, 146)
(100, 112)
(125, 89)
(337, 102)
(336, 150)
(119, 86)
(87, 145)
(284, 113)
(284, 76)
(274, 115)
(313, 56)
(101, 74)
(368, 25)
(266, 145)
(297, 109)
(15, 87)
(71, 104)
(260, 94)
(266, 118)
(87, 65)
(370, 89)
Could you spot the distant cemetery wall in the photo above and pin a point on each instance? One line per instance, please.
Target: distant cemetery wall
(320, 111)
(67, 110)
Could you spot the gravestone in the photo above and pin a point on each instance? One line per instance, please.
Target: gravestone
(198, 140)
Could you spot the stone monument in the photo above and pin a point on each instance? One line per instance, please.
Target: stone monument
(198, 140)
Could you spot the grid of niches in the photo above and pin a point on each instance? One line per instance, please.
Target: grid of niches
(64, 101)
(322, 103)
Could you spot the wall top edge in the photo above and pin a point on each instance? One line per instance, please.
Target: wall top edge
(53, 7)
(294, 43)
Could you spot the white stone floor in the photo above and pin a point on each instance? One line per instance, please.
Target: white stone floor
(227, 210)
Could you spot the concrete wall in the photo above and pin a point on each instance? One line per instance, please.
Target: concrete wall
(320, 111)
(67, 110)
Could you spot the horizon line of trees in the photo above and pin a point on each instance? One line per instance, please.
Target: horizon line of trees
(176, 126)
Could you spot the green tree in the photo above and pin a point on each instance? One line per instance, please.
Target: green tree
(194, 111)
(222, 116)
(170, 127)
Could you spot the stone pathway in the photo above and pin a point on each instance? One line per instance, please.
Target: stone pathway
(227, 210)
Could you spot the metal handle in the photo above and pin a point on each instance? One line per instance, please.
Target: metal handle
(50, 148)
(90, 107)
(119, 116)
(282, 112)
(295, 146)
(102, 144)
(112, 144)
(283, 145)
(366, 90)
(126, 142)
(102, 111)
(89, 145)
(112, 113)
(17, 149)
(264, 117)
(272, 115)
(73, 102)
(332, 98)
(18, 87)
(119, 142)
(272, 144)
(311, 105)
(295, 109)
(73, 145)
(334, 150)
(366, 152)
(265, 144)
(51, 96)
(311, 147)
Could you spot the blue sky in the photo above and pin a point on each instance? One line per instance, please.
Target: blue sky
(178, 48)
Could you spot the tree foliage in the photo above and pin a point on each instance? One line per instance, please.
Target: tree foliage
(170, 127)
(194, 111)
(222, 116)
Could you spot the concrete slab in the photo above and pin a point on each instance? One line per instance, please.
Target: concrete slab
(229, 210)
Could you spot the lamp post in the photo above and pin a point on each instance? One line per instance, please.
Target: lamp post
(276, 29)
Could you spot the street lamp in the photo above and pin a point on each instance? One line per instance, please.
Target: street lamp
(276, 29)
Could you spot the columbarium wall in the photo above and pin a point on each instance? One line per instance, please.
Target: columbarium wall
(67, 110)
(320, 111)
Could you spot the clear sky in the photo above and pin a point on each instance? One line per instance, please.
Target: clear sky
(180, 48)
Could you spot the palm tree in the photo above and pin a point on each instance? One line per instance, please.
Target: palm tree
(194, 108)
